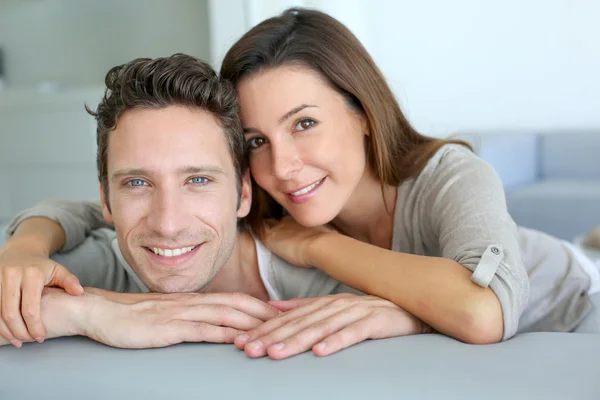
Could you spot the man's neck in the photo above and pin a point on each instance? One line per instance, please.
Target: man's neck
(240, 273)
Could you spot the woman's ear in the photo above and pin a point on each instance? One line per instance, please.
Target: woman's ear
(105, 207)
(245, 196)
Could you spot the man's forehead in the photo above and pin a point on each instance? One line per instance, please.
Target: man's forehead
(172, 139)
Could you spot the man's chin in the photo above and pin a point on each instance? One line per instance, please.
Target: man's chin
(174, 284)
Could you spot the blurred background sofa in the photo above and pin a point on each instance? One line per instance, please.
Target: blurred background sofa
(552, 179)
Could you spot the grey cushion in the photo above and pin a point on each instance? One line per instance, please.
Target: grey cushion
(562, 207)
(531, 366)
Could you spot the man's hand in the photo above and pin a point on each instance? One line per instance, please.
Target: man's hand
(327, 324)
(24, 271)
(159, 320)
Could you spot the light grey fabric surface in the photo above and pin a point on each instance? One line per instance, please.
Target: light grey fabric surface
(549, 366)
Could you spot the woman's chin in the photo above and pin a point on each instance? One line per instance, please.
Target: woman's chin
(313, 219)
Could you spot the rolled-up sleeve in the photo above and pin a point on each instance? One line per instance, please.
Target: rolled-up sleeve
(466, 208)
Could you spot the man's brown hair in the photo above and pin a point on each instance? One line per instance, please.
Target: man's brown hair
(158, 83)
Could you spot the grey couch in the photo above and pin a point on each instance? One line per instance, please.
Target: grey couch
(552, 180)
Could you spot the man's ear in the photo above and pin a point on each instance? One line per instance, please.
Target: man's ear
(245, 196)
(105, 207)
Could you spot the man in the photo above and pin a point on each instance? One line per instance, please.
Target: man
(174, 182)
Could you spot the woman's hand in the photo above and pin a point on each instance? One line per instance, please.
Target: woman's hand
(23, 274)
(291, 241)
(327, 325)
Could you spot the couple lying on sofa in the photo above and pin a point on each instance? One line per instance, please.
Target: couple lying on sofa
(349, 224)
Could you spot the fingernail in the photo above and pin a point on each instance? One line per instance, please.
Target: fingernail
(16, 343)
(321, 346)
(39, 339)
(278, 346)
(242, 339)
(256, 345)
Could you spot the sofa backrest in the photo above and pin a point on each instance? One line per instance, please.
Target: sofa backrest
(513, 155)
(570, 155)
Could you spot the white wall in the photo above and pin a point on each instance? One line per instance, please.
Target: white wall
(476, 65)
(480, 65)
(75, 42)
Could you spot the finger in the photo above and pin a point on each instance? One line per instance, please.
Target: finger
(287, 305)
(219, 315)
(11, 308)
(31, 306)
(258, 347)
(306, 338)
(242, 302)
(283, 319)
(5, 332)
(203, 332)
(357, 332)
(61, 277)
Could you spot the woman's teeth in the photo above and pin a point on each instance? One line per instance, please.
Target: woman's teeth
(172, 252)
(307, 189)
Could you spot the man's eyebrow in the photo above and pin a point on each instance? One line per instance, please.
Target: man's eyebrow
(286, 116)
(190, 169)
(202, 169)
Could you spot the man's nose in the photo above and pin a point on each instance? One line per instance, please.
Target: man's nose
(286, 160)
(168, 213)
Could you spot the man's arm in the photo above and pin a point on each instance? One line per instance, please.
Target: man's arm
(59, 314)
(149, 320)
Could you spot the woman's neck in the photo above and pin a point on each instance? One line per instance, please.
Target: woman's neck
(369, 214)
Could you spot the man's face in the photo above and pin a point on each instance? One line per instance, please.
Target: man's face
(173, 198)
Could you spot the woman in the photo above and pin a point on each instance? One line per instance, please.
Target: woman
(424, 221)
(379, 207)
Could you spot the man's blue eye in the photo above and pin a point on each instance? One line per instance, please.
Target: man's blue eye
(199, 180)
(136, 182)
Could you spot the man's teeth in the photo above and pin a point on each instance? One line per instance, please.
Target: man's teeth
(172, 252)
(307, 189)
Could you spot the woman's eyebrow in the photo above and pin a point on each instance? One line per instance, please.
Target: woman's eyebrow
(285, 116)
(293, 111)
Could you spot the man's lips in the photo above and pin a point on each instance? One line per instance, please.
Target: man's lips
(174, 259)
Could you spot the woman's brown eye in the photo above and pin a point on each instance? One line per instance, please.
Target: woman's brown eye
(305, 124)
(255, 143)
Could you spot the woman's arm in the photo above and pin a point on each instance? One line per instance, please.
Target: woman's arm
(470, 292)
(40, 235)
(437, 290)
(76, 219)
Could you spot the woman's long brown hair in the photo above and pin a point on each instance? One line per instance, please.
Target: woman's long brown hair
(309, 38)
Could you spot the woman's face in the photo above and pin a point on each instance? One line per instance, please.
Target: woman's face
(307, 145)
